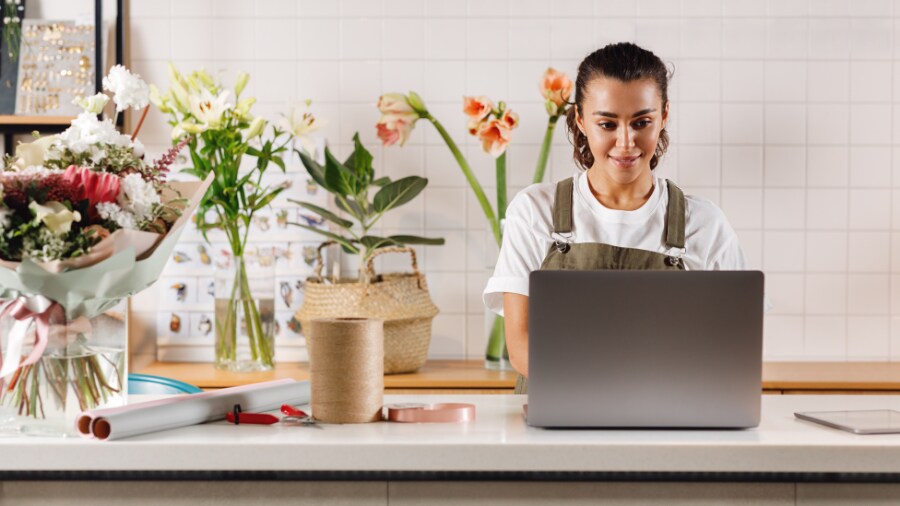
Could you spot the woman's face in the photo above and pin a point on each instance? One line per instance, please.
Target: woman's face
(622, 122)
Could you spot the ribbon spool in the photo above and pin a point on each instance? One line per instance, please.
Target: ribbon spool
(346, 369)
(447, 412)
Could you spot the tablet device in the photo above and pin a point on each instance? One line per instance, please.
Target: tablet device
(873, 421)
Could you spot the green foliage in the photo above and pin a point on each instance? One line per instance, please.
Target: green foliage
(350, 183)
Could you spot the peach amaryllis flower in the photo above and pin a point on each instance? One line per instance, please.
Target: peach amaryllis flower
(510, 118)
(494, 135)
(477, 108)
(393, 129)
(555, 87)
(398, 117)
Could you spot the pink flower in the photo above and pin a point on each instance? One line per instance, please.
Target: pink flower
(555, 87)
(477, 108)
(398, 117)
(395, 128)
(95, 187)
(395, 103)
(494, 136)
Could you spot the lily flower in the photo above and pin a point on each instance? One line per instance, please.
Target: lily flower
(209, 109)
(55, 216)
(301, 123)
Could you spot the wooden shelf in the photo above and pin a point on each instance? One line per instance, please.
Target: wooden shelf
(461, 376)
(35, 120)
(435, 375)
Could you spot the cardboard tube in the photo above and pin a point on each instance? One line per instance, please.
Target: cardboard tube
(346, 369)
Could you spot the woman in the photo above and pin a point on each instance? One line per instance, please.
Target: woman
(614, 213)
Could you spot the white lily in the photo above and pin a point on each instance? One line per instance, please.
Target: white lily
(256, 128)
(33, 153)
(209, 109)
(55, 216)
(300, 122)
(94, 104)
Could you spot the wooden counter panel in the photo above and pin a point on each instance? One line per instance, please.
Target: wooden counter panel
(467, 376)
(832, 375)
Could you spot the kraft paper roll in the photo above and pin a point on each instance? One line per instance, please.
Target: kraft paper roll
(346, 369)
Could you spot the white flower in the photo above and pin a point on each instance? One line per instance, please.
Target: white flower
(114, 213)
(208, 109)
(4, 218)
(256, 128)
(300, 122)
(129, 89)
(34, 153)
(138, 196)
(94, 104)
(38, 170)
(55, 216)
(87, 130)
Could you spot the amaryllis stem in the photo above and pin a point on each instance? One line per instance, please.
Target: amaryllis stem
(470, 177)
(501, 186)
(545, 150)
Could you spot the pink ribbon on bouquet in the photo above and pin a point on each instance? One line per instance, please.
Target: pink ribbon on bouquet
(25, 310)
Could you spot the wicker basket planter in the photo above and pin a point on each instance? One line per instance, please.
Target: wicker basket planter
(400, 299)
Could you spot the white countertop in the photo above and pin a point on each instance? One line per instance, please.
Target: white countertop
(498, 441)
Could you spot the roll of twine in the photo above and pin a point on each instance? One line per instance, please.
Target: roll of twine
(346, 369)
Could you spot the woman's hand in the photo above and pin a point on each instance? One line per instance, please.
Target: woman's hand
(515, 312)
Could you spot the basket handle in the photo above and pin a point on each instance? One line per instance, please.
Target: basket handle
(370, 268)
(320, 263)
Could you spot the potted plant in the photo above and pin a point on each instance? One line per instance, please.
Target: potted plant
(401, 299)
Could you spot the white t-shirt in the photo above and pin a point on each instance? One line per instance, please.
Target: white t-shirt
(710, 242)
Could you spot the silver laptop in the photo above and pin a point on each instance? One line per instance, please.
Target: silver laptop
(645, 349)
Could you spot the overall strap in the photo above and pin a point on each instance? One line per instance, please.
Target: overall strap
(675, 217)
(562, 207)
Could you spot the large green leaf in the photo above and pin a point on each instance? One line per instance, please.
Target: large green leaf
(398, 193)
(352, 207)
(340, 179)
(414, 239)
(325, 213)
(360, 162)
(316, 171)
(381, 181)
(373, 242)
(347, 243)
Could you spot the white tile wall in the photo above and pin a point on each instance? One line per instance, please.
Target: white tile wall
(784, 113)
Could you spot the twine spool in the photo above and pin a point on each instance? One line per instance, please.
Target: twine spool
(346, 369)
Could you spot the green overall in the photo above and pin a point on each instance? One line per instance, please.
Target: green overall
(596, 256)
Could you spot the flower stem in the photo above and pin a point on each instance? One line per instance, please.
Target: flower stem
(470, 177)
(545, 150)
(501, 186)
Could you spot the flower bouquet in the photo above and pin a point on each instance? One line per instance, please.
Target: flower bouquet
(85, 223)
(493, 126)
(224, 133)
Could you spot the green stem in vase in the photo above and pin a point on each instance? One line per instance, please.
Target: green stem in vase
(470, 177)
(545, 150)
(497, 341)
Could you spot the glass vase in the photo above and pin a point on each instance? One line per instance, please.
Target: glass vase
(496, 356)
(245, 314)
(83, 367)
